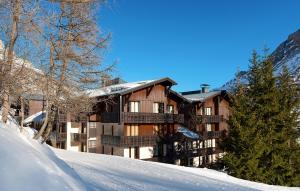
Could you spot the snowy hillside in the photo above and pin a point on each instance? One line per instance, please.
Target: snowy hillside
(27, 165)
(286, 54)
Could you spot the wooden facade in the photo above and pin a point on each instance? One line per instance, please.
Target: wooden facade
(142, 122)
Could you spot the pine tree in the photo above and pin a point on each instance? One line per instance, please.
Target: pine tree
(262, 142)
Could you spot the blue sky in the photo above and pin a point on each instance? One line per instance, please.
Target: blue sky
(193, 41)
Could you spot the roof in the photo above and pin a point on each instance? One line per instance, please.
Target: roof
(125, 88)
(38, 97)
(37, 117)
(197, 96)
(188, 133)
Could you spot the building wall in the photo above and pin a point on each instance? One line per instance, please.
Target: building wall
(34, 106)
(157, 94)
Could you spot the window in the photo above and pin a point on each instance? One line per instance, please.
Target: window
(170, 109)
(158, 108)
(92, 144)
(132, 130)
(133, 106)
(208, 127)
(155, 130)
(92, 125)
(207, 111)
(213, 143)
(208, 143)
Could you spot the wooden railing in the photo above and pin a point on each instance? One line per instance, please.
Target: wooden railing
(213, 134)
(78, 138)
(200, 152)
(62, 118)
(61, 137)
(138, 117)
(210, 118)
(128, 141)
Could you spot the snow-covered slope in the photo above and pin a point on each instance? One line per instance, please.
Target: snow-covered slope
(286, 54)
(27, 165)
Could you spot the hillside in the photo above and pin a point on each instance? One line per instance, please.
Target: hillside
(286, 54)
(28, 165)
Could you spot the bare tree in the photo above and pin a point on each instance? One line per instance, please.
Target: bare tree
(75, 45)
(15, 26)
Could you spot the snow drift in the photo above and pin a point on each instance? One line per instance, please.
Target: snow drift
(25, 165)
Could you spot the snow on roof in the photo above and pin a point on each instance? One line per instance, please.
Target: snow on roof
(201, 96)
(188, 133)
(118, 88)
(37, 117)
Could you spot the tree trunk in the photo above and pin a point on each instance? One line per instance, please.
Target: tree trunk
(45, 123)
(9, 61)
(22, 113)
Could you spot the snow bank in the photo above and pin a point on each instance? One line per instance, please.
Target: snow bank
(27, 165)
(103, 172)
(30, 166)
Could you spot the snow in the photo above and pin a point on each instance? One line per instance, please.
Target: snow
(37, 117)
(188, 133)
(26, 164)
(118, 88)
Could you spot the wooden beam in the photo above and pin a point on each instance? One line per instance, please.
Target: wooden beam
(148, 90)
(167, 90)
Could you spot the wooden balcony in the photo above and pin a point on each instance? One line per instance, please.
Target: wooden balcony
(62, 118)
(200, 152)
(61, 137)
(145, 118)
(213, 134)
(210, 118)
(128, 141)
(77, 138)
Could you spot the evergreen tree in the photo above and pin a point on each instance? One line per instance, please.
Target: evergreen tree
(262, 141)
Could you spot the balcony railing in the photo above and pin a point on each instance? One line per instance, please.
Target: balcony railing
(62, 118)
(78, 138)
(210, 118)
(200, 152)
(128, 141)
(138, 117)
(213, 134)
(61, 137)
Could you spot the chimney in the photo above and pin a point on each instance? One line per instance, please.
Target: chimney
(204, 88)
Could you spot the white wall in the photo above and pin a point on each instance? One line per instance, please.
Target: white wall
(69, 131)
(146, 152)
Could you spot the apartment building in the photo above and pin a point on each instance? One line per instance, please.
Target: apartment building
(207, 115)
(148, 120)
(128, 117)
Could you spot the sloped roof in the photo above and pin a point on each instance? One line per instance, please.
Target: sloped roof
(124, 88)
(202, 96)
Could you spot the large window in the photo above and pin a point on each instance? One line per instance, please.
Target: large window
(132, 130)
(207, 111)
(158, 107)
(208, 127)
(92, 144)
(134, 106)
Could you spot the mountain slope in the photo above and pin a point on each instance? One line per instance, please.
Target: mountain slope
(286, 54)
